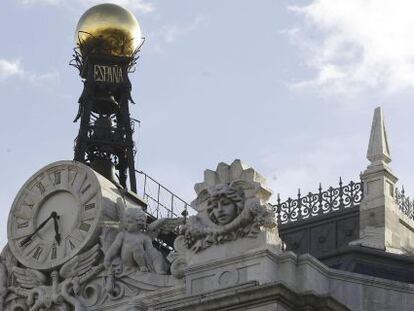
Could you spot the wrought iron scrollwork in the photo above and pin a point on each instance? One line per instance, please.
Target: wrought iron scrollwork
(320, 203)
(405, 203)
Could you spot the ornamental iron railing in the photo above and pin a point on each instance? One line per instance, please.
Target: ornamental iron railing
(162, 203)
(405, 203)
(320, 203)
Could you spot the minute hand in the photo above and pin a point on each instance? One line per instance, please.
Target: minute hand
(26, 240)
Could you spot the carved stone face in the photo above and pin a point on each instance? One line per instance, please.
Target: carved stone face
(224, 211)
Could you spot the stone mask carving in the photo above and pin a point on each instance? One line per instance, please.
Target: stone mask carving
(231, 204)
(225, 203)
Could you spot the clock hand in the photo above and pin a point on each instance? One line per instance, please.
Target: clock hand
(57, 235)
(26, 240)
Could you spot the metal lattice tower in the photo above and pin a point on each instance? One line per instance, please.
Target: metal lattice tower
(105, 139)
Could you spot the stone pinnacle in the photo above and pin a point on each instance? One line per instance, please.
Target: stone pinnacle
(378, 148)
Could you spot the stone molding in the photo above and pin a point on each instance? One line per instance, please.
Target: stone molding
(251, 296)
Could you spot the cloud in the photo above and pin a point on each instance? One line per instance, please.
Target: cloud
(40, 79)
(15, 69)
(357, 45)
(169, 34)
(10, 68)
(142, 6)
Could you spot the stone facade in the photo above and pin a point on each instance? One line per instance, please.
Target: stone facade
(228, 256)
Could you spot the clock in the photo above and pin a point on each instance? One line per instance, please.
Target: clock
(55, 215)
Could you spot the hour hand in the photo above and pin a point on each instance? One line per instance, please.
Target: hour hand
(57, 234)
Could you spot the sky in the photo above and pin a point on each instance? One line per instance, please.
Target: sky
(287, 86)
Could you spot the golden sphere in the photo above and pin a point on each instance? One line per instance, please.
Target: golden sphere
(108, 29)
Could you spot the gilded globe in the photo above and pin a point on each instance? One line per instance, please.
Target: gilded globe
(108, 29)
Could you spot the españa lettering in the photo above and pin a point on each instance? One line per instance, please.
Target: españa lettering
(111, 74)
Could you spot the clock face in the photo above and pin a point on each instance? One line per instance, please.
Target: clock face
(55, 215)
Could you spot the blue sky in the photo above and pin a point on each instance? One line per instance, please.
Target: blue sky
(287, 86)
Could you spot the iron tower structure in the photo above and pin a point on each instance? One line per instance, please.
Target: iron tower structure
(105, 140)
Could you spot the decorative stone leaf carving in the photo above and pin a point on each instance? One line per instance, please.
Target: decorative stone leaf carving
(29, 278)
(35, 290)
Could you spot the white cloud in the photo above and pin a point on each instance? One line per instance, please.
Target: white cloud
(355, 45)
(10, 68)
(39, 79)
(15, 68)
(168, 34)
(142, 6)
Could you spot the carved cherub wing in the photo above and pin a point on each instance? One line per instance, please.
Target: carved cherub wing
(164, 226)
(120, 208)
(107, 237)
(80, 264)
(29, 278)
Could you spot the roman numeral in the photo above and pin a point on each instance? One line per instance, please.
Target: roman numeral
(72, 174)
(84, 226)
(89, 206)
(79, 181)
(41, 188)
(25, 242)
(58, 178)
(72, 245)
(29, 205)
(86, 188)
(29, 247)
(54, 253)
(32, 197)
(37, 253)
(22, 225)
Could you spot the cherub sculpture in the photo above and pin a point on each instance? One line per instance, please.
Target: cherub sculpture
(132, 248)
